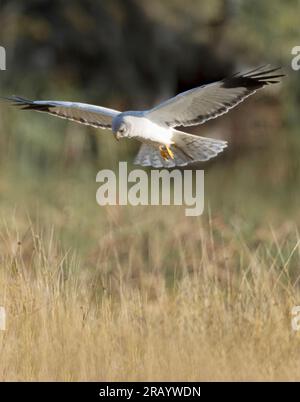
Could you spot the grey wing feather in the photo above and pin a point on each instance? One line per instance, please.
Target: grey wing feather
(210, 101)
(83, 113)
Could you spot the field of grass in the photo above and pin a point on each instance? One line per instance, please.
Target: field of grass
(145, 293)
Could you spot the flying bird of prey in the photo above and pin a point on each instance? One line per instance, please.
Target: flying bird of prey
(163, 145)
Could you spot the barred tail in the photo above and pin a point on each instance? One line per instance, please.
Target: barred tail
(187, 148)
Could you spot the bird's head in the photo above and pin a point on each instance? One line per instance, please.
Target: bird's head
(120, 128)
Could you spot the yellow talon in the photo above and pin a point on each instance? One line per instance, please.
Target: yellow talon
(166, 152)
(171, 154)
(163, 153)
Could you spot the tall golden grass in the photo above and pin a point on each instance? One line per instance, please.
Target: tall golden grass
(145, 293)
(187, 301)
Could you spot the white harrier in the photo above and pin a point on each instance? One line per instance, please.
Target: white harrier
(162, 145)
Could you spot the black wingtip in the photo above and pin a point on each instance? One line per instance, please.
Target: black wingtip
(254, 79)
(25, 104)
(17, 100)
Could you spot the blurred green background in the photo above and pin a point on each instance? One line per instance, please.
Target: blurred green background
(131, 54)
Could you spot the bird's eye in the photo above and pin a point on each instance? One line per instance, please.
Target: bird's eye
(122, 130)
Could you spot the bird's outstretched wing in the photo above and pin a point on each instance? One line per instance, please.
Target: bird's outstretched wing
(210, 101)
(83, 113)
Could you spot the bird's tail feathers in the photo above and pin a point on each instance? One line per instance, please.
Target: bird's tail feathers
(187, 148)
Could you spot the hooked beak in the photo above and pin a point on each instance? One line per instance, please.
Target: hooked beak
(117, 135)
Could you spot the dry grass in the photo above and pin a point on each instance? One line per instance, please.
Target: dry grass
(187, 306)
(143, 293)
